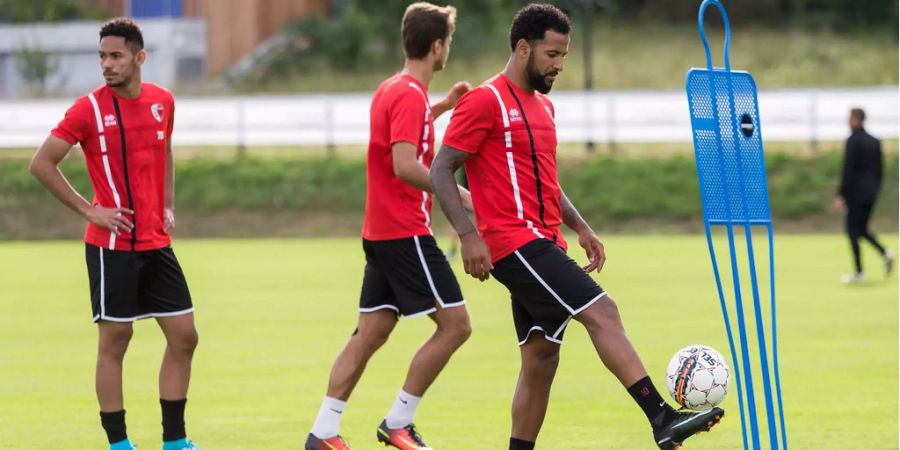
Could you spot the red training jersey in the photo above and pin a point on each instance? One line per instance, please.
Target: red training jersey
(400, 112)
(124, 143)
(512, 174)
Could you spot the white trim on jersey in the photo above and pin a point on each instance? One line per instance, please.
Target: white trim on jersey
(510, 161)
(502, 106)
(515, 184)
(425, 134)
(106, 168)
(96, 112)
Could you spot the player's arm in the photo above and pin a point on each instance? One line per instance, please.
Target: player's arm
(475, 253)
(847, 173)
(45, 167)
(449, 102)
(169, 209)
(408, 168)
(588, 240)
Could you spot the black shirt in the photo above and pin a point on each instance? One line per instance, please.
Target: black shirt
(862, 170)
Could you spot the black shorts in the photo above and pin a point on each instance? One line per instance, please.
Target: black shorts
(127, 286)
(547, 288)
(410, 276)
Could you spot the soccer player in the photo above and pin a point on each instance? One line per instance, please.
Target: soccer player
(406, 273)
(124, 129)
(504, 133)
(860, 183)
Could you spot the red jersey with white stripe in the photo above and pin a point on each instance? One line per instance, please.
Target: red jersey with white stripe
(512, 175)
(400, 112)
(124, 143)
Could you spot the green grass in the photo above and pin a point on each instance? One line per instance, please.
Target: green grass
(273, 314)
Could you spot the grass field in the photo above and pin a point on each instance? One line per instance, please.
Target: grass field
(273, 314)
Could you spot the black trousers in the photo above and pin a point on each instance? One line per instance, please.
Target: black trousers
(858, 215)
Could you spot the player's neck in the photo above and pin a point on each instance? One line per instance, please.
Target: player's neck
(516, 75)
(132, 90)
(420, 69)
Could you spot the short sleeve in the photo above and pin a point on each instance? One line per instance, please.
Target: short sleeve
(77, 123)
(472, 120)
(407, 117)
(171, 124)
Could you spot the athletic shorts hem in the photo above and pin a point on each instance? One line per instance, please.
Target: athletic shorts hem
(419, 314)
(98, 317)
(378, 308)
(452, 305)
(591, 302)
(546, 336)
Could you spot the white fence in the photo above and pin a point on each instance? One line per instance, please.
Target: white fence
(599, 116)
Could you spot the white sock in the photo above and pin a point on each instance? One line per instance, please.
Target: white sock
(328, 422)
(401, 414)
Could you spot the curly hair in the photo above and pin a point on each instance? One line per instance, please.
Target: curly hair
(532, 22)
(124, 27)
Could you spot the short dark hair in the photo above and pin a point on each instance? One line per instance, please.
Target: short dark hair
(124, 27)
(858, 113)
(424, 23)
(532, 22)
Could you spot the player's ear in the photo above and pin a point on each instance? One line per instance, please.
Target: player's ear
(140, 56)
(437, 46)
(523, 49)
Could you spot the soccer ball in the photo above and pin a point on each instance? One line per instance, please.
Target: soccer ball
(698, 378)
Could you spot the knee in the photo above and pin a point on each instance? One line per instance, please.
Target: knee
(542, 366)
(603, 314)
(185, 342)
(456, 328)
(115, 343)
(374, 337)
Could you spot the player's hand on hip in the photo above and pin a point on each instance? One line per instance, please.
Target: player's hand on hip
(113, 219)
(593, 247)
(476, 256)
(168, 220)
(457, 91)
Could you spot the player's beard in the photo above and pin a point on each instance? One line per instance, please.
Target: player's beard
(122, 79)
(536, 79)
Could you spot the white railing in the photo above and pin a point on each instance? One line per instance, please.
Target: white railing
(808, 115)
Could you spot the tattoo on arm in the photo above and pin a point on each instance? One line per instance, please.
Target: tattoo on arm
(446, 190)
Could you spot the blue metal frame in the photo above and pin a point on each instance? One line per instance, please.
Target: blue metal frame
(718, 201)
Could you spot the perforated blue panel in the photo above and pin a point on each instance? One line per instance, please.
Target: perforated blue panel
(728, 147)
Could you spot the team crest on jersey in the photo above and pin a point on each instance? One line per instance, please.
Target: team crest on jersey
(514, 115)
(109, 120)
(157, 109)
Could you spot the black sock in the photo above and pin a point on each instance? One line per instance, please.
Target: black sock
(114, 425)
(647, 397)
(173, 419)
(518, 444)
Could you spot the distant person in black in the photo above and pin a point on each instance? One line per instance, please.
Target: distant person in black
(860, 183)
